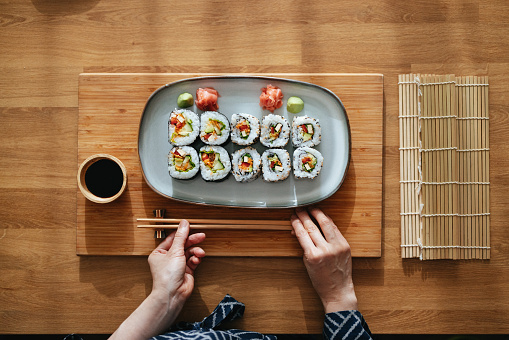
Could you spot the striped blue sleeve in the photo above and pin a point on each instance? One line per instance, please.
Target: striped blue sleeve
(345, 325)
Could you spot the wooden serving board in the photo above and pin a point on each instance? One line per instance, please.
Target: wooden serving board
(110, 108)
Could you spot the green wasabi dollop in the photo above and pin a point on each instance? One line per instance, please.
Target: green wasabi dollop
(294, 105)
(185, 100)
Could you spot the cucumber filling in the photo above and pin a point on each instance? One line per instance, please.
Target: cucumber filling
(213, 127)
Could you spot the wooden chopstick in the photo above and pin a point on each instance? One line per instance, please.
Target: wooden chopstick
(222, 226)
(211, 222)
(170, 223)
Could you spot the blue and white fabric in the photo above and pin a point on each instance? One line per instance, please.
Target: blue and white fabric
(346, 325)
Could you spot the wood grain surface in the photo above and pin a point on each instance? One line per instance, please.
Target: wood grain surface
(46, 288)
(110, 108)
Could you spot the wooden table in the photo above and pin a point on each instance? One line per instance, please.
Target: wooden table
(46, 288)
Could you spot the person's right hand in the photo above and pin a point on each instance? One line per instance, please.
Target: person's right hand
(173, 264)
(327, 260)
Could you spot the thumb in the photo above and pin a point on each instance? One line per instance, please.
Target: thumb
(180, 238)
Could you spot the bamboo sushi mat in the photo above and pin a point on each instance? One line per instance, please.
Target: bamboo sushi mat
(444, 167)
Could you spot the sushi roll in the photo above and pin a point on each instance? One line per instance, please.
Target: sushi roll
(307, 162)
(214, 163)
(215, 128)
(306, 131)
(183, 127)
(275, 165)
(183, 162)
(246, 165)
(275, 131)
(245, 129)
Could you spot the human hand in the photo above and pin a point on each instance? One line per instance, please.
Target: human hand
(327, 259)
(173, 263)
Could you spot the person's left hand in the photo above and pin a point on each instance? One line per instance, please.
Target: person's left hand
(173, 263)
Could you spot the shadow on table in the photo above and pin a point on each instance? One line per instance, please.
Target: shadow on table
(64, 7)
(108, 274)
(104, 222)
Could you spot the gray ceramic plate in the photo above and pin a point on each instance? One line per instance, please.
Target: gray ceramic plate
(241, 94)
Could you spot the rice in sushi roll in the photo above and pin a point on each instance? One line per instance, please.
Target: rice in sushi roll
(183, 162)
(275, 165)
(275, 131)
(246, 165)
(183, 127)
(215, 128)
(307, 162)
(214, 163)
(245, 129)
(306, 131)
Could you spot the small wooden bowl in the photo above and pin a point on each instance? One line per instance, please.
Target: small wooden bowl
(83, 186)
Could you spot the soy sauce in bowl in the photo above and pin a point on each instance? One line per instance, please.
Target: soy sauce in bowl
(104, 178)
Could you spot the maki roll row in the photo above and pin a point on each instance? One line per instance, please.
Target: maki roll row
(306, 131)
(214, 129)
(214, 163)
(307, 163)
